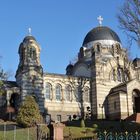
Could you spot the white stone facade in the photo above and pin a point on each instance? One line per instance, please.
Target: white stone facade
(71, 101)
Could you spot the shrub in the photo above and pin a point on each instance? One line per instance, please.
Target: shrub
(29, 113)
(82, 123)
(95, 126)
(74, 117)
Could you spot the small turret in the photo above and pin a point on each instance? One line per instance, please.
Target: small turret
(69, 69)
(136, 62)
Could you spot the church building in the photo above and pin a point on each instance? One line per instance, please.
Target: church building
(102, 84)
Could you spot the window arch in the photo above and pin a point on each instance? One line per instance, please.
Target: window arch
(98, 47)
(68, 91)
(113, 75)
(78, 95)
(58, 92)
(48, 89)
(32, 52)
(119, 74)
(116, 49)
(86, 94)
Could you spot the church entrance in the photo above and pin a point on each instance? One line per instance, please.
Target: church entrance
(12, 106)
(137, 104)
(136, 101)
(14, 101)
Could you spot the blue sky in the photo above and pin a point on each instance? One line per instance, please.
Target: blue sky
(59, 26)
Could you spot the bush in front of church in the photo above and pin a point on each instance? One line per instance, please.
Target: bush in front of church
(95, 127)
(29, 114)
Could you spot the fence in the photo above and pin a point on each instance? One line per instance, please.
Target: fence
(110, 136)
(118, 136)
(13, 132)
(81, 138)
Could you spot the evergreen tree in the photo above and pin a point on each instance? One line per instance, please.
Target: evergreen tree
(29, 114)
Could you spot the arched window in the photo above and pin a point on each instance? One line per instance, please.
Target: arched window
(86, 94)
(32, 53)
(48, 91)
(125, 76)
(78, 95)
(113, 75)
(120, 74)
(58, 92)
(117, 48)
(98, 48)
(68, 93)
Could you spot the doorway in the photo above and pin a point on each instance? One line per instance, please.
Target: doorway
(136, 101)
(137, 104)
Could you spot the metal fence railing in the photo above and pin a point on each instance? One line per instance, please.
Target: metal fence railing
(14, 132)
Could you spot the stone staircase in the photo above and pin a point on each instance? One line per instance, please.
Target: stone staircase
(134, 117)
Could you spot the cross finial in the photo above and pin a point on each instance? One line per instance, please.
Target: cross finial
(29, 31)
(100, 19)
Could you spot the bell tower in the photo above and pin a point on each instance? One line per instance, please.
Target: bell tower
(29, 75)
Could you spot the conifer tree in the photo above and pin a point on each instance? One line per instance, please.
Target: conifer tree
(29, 114)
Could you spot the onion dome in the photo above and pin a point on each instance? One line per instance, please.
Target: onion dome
(101, 33)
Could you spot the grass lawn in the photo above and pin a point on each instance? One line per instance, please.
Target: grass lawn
(76, 132)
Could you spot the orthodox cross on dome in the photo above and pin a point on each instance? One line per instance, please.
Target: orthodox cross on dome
(100, 19)
(29, 31)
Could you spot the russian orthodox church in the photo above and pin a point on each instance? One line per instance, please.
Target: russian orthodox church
(102, 84)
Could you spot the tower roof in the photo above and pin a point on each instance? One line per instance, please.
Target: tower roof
(101, 33)
(29, 37)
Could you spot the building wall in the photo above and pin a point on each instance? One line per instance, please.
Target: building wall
(65, 107)
(114, 106)
(124, 105)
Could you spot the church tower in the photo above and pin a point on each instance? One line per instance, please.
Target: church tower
(103, 59)
(29, 75)
(108, 68)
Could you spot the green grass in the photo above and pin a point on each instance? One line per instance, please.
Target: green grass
(73, 128)
(76, 132)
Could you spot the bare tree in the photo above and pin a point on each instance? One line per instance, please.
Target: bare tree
(3, 77)
(129, 19)
(81, 81)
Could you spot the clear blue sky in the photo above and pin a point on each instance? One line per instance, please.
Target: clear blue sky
(59, 26)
